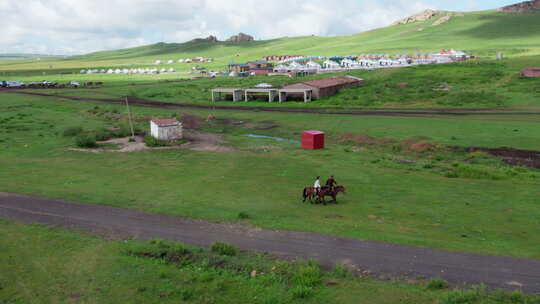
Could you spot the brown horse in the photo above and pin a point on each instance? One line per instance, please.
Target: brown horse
(327, 191)
(309, 193)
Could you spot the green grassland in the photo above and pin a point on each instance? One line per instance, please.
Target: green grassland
(481, 33)
(477, 84)
(426, 199)
(54, 266)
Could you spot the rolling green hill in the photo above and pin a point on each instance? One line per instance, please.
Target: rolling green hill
(481, 33)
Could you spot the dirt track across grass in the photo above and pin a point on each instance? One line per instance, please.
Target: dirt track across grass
(389, 260)
(424, 112)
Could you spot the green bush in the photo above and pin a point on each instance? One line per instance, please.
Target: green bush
(72, 131)
(308, 275)
(243, 215)
(302, 292)
(224, 249)
(158, 249)
(86, 141)
(341, 271)
(437, 284)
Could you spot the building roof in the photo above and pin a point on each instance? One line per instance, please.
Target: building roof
(531, 72)
(314, 132)
(166, 122)
(330, 82)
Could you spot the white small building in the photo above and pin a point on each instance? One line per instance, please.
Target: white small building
(168, 129)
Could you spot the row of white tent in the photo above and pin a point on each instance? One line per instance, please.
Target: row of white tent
(129, 71)
(184, 60)
(330, 65)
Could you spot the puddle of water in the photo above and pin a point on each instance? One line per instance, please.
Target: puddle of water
(272, 137)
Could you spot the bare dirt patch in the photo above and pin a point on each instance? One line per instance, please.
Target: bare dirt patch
(197, 141)
(422, 147)
(514, 157)
(356, 138)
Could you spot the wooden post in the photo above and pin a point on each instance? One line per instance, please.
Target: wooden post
(129, 118)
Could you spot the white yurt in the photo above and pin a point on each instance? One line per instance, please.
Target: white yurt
(110, 71)
(158, 62)
(180, 60)
(83, 71)
(313, 65)
(171, 70)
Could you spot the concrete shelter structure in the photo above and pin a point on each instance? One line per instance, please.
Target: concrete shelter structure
(168, 129)
(307, 94)
(217, 94)
(272, 93)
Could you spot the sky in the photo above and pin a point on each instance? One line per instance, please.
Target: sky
(68, 27)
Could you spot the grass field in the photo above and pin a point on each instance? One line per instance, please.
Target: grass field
(438, 197)
(427, 199)
(54, 266)
(478, 84)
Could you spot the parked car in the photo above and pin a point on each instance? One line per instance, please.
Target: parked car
(74, 84)
(15, 84)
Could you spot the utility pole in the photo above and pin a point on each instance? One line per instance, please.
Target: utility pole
(129, 118)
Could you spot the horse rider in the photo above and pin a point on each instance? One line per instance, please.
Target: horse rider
(331, 183)
(317, 185)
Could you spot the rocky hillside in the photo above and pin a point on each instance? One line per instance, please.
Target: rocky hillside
(240, 37)
(523, 7)
(439, 17)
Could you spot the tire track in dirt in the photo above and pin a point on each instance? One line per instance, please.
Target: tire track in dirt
(425, 112)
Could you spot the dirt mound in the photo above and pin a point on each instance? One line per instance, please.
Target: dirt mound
(514, 157)
(385, 140)
(356, 138)
(423, 147)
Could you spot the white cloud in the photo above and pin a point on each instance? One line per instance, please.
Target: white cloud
(80, 26)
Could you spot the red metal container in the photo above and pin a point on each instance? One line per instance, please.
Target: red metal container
(313, 140)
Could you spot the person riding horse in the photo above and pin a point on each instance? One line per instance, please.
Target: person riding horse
(317, 185)
(331, 183)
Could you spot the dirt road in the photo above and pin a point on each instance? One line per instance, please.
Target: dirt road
(379, 258)
(421, 112)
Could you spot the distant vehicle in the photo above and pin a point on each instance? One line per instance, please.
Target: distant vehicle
(3, 83)
(15, 84)
(75, 84)
(264, 86)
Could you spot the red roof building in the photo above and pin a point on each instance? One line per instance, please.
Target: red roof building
(530, 72)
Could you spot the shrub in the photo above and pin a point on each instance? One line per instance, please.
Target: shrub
(302, 292)
(86, 141)
(131, 139)
(72, 131)
(464, 296)
(308, 275)
(158, 249)
(224, 249)
(243, 215)
(341, 271)
(436, 284)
